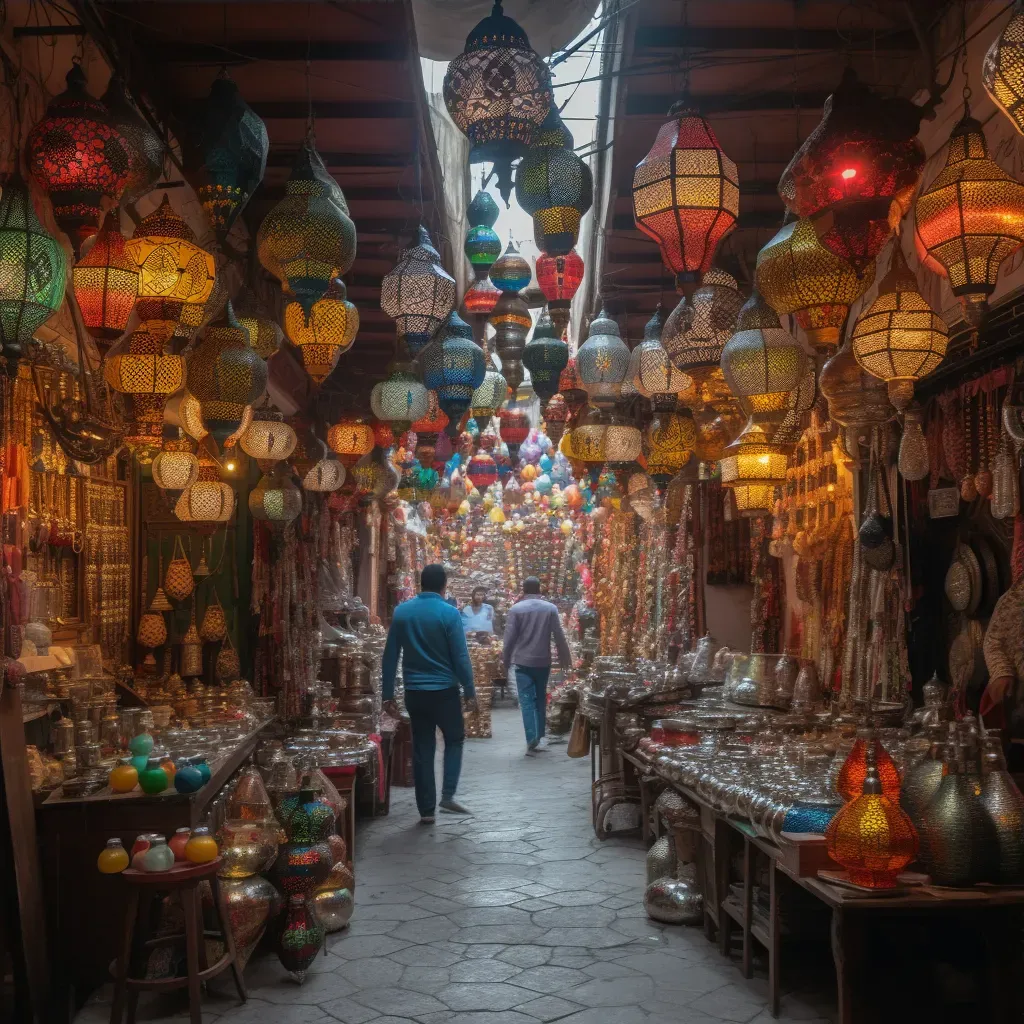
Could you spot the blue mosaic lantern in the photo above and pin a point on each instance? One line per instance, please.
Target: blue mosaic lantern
(453, 366)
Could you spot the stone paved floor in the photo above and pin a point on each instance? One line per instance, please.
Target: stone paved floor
(514, 916)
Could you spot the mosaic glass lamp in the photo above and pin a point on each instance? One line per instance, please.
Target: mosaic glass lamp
(571, 388)
(138, 365)
(686, 195)
(418, 293)
(482, 471)
(325, 475)
(176, 466)
(856, 173)
(652, 372)
(34, 272)
(545, 356)
(265, 335)
(326, 333)
(586, 440)
(1002, 71)
(511, 271)
(899, 339)
(602, 362)
(351, 438)
(482, 246)
(867, 746)
(498, 93)
(275, 499)
(106, 284)
(514, 428)
(453, 366)
(208, 500)
(144, 147)
(400, 399)
(78, 158)
(554, 186)
(268, 438)
(559, 278)
(970, 218)
(308, 239)
(556, 416)
(227, 155)
(491, 394)
(480, 298)
(671, 438)
(698, 328)
(797, 274)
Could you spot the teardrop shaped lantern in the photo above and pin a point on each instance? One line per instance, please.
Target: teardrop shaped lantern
(559, 278)
(351, 438)
(77, 158)
(308, 239)
(418, 293)
(698, 328)
(602, 362)
(546, 356)
(653, 374)
(34, 272)
(491, 394)
(686, 195)
(144, 147)
(227, 157)
(326, 333)
(482, 246)
(970, 218)
(453, 366)
(554, 186)
(265, 335)
(1002, 72)
(498, 93)
(400, 399)
(106, 284)
(857, 400)
(556, 416)
(139, 366)
(176, 466)
(275, 499)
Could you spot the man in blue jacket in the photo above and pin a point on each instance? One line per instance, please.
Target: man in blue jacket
(427, 632)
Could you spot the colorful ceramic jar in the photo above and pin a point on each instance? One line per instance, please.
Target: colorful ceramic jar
(178, 841)
(158, 857)
(201, 847)
(188, 778)
(124, 776)
(141, 744)
(113, 858)
(153, 779)
(139, 762)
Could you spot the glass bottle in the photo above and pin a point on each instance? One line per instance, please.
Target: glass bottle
(201, 847)
(178, 841)
(152, 779)
(113, 858)
(124, 776)
(159, 856)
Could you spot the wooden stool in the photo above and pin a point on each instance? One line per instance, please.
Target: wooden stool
(145, 890)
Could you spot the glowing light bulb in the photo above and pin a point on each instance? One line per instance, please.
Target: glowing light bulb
(849, 172)
(229, 466)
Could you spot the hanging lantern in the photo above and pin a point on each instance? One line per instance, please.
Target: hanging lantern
(571, 389)
(556, 415)
(480, 298)
(686, 195)
(275, 499)
(1002, 72)
(374, 475)
(797, 274)
(899, 339)
(970, 218)
(176, 466)
(559, 278)
(453, 366)
(327, 474)
(482, 246)
(554, 186)
(514, 429)
(546, 356)
(228, 157)
(498, 92)
(328, 331)
(602, 362)
(797, 417)
(401, 398)
(383, 435)
(586, 440)
(856, 173)
(308, 239)
(190, 415)
(623, 443)
(139, 366)
(856, 399)
(225, 375)
(143, 146)
(754, 465)
(265, 335)
(268, 439)
(482, 471)
(652, 372)
(418, 293)
(34, 272)
(106, 284)
(671, 438)
(77, 158)
(491, 394)
(511, 272)
(428, 426)
(714, 431)
(173, 270)
(352, 439)
(144, 434)
(208, 500)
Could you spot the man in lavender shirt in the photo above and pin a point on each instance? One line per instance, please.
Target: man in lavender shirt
(531, 625)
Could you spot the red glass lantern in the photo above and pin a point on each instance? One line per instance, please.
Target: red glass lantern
(482, 471)
(855, 767)
(515, 428)
(559, 278)
(383, 435)
(480, 298)
(556, 414)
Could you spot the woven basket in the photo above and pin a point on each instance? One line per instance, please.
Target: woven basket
(229, 665)
(152, 630)
(215, 624)
(179, 581)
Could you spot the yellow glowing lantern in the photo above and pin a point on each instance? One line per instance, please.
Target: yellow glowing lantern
(176, 466)
(1002, 72)
(351, 438)
(326, 333)
(268, 439)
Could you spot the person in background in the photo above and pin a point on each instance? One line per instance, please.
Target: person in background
(427, 632)
(531, 626)
(478, 617)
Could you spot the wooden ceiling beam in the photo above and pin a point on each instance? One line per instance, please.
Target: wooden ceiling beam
(658, 104)
(770, 37)
(327, 110)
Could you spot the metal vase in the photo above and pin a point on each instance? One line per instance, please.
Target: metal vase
(661, 860)
(921, 783)
(673, 901)
(1004, 806)
(958, 842)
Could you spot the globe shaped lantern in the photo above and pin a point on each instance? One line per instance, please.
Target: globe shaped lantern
(265, 335)
(511, 271)
(490, 395)
(326, 333)
(33, 272)
(482, 471)
(602, 362)
(418, 293)
(671, 439)
(326, 474)
(514, 429)
(554, 186)
(400, 399)
(498, 93)
(374, 475)
(308, 239)
(482, 246)
(857, 400)
(143, 146)
(686, 195)
(480, 298)
(1002, 72)
(275, 499)
(268, 439)
(351, 438)
(546, 356)
(556, 416)
(856, 173)
(652, 373)
(78, 158)
(559, 278)
(453, 366)
(106, 284)
(227, 155)
(208, 500)
(139, 366)
(176, 466)
(797, 274)
(970, 218)
(586, 440)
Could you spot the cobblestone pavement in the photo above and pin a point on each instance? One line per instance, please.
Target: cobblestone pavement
(514, 916)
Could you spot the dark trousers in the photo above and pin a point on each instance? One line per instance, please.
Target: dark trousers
(430, 710)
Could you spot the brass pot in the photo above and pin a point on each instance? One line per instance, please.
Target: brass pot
(246, 848)
(334, 908)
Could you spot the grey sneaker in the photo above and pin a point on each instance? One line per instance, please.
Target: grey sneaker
(426, 819)
(453, 807)
(530, 751)
(542, 744)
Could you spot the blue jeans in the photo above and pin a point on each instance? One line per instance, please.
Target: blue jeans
(532, 684)
(430, 710)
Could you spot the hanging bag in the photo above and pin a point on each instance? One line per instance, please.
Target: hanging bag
(179, 581)
(229, 665)
(215, 624)
(876, 541)
(579, 736)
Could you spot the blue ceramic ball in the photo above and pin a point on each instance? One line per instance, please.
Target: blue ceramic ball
(188, 779)
(141, 744)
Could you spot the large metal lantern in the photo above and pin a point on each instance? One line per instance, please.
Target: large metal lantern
(511, 321)
(698, 328)
(326, 333)
(268, 438)
(227, 157)
(482, 246)
(753, 460)
(308, 239)
(498, 92)
(77, 158)
(651, 371)
(265, 335)
(602, 362)
(327, 474)
(106, 284)
(418, 293)
(453, 366)
(671, 439)
(427, 428)
(173, 270)
(144, 430)
(857, 400)
(686, 195)
(400, 399)
(480, 298)
(176, 466)
(490, 395)
(797, 274)
(275, 499)
(139, 366)
(351, 438)
(970, 218)
(374, 475)
(546, 356)
(33, 272)
(856, 173)
(559, 278)
(899, 338)
(208, 500)
(144, 147)
(1002, 72)
(555, 186)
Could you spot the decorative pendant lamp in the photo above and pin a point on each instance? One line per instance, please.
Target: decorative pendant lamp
(856, 173)
(275, 499)
(715, 430)
(139, 366)
(1002, 72)
(482, 471)
(602, 362)
(491, 394)
(351, 438)
(144, 147)
(268, 438)
(652, 373)
(686, 195)
(400, 399)
(225, 375)
(374, 475)
(190, 416)
(753, 467)
(510, 317)
(899, 339)
(671, 439)
(173, 270)
(556, 416)
(265, 335)
(77, 158)
(480, 298)
(559, 278)
(498, 92)
(571, 389)
(623, 443)
(554, 186)
(418, 293)
(326, 333)
(587, 438)
(546, 356)
(698, 328)
(428, 426)
(970, 218)
(106, 284)
(308, 239)
(514, 428)
(482, 246)
(176, 466)
(453, 366)
(327, 474)
(797, 417)
(797, 274)
(208, 500)
(857, 400)
(34, 272)
(228, 156)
